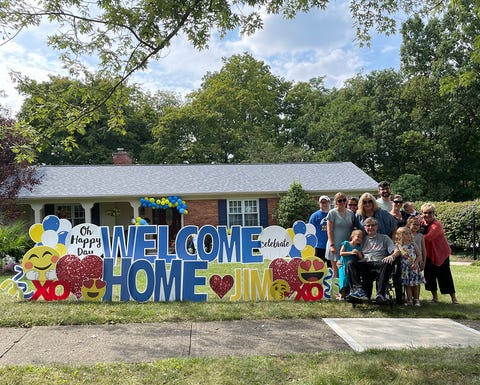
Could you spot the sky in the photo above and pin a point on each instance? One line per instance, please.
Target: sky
(314, 44)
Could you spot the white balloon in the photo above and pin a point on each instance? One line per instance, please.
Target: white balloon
(65, 225)
(310, 229)
(50, 238)
(300, 241)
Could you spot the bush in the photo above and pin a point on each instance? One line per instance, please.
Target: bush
(295, 205)
(14, 241)
(457, 220)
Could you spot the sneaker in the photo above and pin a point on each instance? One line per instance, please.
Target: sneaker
(359, 294)
(381, 299)
(417, 302)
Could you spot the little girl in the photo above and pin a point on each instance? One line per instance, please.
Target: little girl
(413, 223)
(411, 265)
(349, 251)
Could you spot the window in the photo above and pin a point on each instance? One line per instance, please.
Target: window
(243, 213)
(74, 213)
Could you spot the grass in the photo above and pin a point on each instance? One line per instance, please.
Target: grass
(420, 366)
(417, 366)
(70, 312)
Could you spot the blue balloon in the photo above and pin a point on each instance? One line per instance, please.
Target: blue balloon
(143, 222)
(62, 237)
(51, 222)
(299, 227)
(311, 240)
(295, 253)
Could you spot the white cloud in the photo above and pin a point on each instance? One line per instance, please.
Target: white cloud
(314, 44)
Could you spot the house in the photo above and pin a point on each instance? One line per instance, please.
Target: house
(179, 195)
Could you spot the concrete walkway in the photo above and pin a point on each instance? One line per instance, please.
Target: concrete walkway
(148, 342)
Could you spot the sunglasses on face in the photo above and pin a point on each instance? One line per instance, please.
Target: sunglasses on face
(368, 202)
(398, 202)
(342, 200)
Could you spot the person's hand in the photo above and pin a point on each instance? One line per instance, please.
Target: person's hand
(333, 249)
(389, 259)
(339, 264)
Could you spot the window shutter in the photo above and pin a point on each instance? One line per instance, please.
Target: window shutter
(263, 203)
(96, 214)
(222, 212)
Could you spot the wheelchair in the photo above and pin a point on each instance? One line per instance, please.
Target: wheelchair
(394, 293)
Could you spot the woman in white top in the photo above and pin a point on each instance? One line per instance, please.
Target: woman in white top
(339, 227)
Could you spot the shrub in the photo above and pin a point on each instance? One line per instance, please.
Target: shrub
(14, 241)
(457, 220)
(296, 204)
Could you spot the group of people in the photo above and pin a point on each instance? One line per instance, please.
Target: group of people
(369, 239)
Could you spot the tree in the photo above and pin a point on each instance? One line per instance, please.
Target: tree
(96, 142)
(294, 205)
(410, 187)
(446, 113)
(16, 171)
(125, 36)
(234, 115)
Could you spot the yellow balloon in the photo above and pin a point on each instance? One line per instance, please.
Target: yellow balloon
(308, 251)
(36, 232)
(291, 233)
(62, 250)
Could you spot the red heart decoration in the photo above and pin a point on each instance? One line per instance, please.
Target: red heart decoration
(288, 271)
(221, 285)
(305, 265)
(318, 265)
(75, 271)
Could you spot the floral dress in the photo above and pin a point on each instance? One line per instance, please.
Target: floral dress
(410, 277)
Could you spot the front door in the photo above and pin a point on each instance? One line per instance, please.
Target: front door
(170, 217)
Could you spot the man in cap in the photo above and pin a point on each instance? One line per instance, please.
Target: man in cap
(319, 220)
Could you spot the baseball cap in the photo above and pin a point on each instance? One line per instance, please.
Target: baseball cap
(324, 197)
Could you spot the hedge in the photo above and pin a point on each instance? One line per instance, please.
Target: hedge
(457, 219)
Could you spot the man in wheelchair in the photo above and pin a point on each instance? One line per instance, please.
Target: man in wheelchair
(377, 264)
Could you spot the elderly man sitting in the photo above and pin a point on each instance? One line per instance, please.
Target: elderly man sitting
(379, 253)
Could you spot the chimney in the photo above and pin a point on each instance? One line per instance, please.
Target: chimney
(121, 157)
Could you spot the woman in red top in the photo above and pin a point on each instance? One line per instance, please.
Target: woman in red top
(437, 262)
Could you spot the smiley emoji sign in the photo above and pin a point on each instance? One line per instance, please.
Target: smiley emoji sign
(39, 263)
(93, 289)
(312, 270)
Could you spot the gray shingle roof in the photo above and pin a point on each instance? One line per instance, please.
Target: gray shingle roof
(196, 180)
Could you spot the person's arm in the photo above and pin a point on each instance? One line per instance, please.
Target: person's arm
(418, 259)
(331, 240)
(393, 250)
(424, 254)
(435, 230)
(344, 252)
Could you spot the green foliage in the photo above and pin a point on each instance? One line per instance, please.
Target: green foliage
(236, 112)
(296, 204)
(410, 187)
(14, 240)
(457, 220)
(97, 139)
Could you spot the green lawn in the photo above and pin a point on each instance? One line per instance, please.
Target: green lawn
(418, 366)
